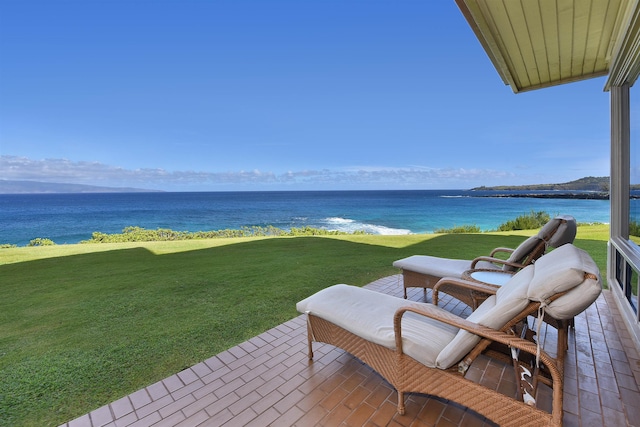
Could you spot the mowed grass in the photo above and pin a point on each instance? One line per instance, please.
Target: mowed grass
(84, 325)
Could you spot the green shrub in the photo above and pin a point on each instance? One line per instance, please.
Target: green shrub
(529, 221)
(634, 228)
(7, 245)
(460, 229)
(41, 242)
(139, 234)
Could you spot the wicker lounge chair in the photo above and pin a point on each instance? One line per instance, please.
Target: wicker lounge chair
(421, 348)
(423, 271)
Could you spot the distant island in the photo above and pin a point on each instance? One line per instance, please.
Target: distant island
(590, 183)
(584, 188)
(36, 187)
(590, 187)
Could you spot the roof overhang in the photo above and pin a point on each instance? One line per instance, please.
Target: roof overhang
(539, 43)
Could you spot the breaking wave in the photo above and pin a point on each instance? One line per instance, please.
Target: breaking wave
(351, 225)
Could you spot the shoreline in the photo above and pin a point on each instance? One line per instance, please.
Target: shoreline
(580, 196)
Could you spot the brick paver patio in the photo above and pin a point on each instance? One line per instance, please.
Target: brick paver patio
(268, 380)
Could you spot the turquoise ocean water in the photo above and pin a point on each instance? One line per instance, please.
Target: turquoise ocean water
(70, 218)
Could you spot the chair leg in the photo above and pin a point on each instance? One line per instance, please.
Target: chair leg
(401, 408)
(563, 342)
(309, 340)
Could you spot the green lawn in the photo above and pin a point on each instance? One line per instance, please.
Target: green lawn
(84, 325)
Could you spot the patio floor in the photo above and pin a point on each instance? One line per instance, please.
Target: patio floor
(269, 381)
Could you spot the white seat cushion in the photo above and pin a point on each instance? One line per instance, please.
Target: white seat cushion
(440, 267)
(369, 315)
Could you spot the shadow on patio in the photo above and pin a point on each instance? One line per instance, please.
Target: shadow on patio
(268, 380)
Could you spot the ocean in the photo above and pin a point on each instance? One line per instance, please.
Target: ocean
(71, 218)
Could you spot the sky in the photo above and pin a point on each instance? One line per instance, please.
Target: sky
(235, 95)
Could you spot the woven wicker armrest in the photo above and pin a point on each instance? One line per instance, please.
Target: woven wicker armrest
(482, 331)
(474, 328)
(496, 250)
(496, 261)
(451, 284)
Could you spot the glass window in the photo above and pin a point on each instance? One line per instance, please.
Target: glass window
(634, 176)
(627, 278)
(632, 290)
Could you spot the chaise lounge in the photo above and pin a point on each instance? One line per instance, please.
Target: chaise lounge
(421, 348)
(423, 271)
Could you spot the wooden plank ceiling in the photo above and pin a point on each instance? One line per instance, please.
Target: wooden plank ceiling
(540, 43)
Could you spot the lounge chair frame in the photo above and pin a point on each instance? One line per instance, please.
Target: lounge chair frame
(414, 279)
(407, 375)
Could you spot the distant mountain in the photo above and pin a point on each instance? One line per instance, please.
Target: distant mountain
(35, 187)
(589, 183)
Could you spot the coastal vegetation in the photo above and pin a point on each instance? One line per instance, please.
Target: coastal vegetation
(88, 324)
(138, 234)
(41, 242)
(459, 229)
(528, 221)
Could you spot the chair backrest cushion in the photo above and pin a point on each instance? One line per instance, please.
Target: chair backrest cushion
(565, 231)
(560, 270)
(523, 251)
(570, 269)
(576, 300)
(495, 312)
(549, 228)
(555, 233)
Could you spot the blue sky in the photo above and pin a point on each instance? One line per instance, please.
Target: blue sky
(277, 95)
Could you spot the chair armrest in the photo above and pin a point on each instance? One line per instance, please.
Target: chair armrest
(476, 329)
(496, 261)
(496, 250)
(447, 282)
